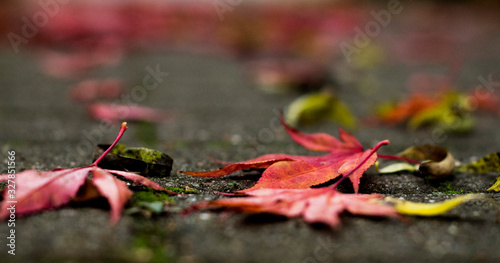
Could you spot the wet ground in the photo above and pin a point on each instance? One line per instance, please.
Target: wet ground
(217, 112)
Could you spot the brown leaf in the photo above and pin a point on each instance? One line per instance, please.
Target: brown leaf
(437, 162)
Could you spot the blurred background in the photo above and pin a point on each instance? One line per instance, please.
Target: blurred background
(223, 70)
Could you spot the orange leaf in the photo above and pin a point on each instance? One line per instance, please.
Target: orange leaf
(404, 110)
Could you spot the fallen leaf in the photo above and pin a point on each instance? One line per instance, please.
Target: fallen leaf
(114, 113)
(487, 164)
(316, 107)
(432, 209)
(398, 167)
(315, 205)
(451, 114)
(292, 171)
(396, 112)
(496, 186)
(448, 110)
(41, 190)
(436, 163)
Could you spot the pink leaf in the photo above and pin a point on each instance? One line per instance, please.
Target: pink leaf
(114, 113)
(35, 190)
(114, 190)
(41, 190)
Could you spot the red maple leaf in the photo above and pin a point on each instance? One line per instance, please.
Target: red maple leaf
(315, 205)
(113, 113)
(297, 172)
(32, 191)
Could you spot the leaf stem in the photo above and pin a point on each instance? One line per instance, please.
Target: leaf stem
(123, 128)
(392, 157)
(380, 144)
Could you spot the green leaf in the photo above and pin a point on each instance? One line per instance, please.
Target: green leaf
(316, 107)
(452, 114)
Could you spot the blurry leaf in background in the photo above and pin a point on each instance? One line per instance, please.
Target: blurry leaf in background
(94, 89)
(393, 112)
(437, 162)
(114, 113)
(316, 107)
(451, 114)
(487, 164)
(450, 111)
